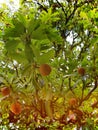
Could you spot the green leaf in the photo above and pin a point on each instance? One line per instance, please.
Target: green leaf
(44, 44)
(16, 30)
(39, 33)
(22, 19)
(11, 44)
(29, 53)
(33, 24)
(53, 35)
(36, 48)
(20, 57)
(46, 57)
(49, 17)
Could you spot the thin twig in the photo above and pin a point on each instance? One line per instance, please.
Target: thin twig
(61, 7)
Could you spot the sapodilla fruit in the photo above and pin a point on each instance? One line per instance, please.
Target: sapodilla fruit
(44, 69)
(73, 102)
(5, 91)
(16, 108)
(81, 71)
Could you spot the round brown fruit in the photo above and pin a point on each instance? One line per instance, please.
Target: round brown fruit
(16, 108)
(73, 102)
(81, 71)
(5, 91)
(44, 69)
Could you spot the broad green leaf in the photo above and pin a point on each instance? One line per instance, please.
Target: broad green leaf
(36, 48)
(44, 44)
(22, 19)
(39, 33)
(29, 53)
(20, 57)
(32, 25)
(53, 35)
(46, 57)
(11, 44)
(16, 30)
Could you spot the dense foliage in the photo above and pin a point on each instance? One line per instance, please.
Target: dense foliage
(49, 65)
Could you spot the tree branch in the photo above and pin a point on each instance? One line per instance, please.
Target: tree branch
(61, 7)
(90, 92)
(42, 7)
(73, 12)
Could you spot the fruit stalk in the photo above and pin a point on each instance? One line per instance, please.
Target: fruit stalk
(48, 109)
